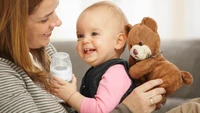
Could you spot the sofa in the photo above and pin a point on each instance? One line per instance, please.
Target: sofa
(185, 54)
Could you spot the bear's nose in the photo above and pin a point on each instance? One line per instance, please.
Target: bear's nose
(135, 52)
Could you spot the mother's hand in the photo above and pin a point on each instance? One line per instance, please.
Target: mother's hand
(143, 99)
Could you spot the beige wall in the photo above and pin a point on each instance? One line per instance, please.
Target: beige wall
(176, 19)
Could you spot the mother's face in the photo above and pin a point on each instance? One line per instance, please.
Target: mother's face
(41, 24)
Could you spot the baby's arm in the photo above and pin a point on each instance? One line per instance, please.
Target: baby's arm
(115, 82)
(68, 92)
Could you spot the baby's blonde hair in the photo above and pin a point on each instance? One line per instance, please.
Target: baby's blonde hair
(114, 10)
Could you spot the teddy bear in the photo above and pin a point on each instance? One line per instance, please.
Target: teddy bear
(146, 61)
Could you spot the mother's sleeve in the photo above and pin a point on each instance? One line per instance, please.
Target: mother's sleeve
(121, 108)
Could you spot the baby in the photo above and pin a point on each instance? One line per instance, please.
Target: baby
(101, 41)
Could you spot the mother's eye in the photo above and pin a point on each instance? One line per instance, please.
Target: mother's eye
(44, 20)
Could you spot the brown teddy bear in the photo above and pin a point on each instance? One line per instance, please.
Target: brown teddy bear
(146, 60)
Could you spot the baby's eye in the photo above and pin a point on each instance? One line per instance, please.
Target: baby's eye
(94, 34)
(80, 36)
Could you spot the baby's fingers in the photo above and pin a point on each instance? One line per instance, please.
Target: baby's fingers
(55, 85)
(74, 80)
(59, 81)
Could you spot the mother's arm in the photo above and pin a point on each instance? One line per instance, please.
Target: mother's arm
(138, 101)
(13, 95)
(121, 108)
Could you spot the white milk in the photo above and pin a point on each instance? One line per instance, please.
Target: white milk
(63, 72)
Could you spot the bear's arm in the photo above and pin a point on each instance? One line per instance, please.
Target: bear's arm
(132, 61)
(143, 67)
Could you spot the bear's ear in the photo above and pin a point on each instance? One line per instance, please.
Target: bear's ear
(127, 28)
(150, 22)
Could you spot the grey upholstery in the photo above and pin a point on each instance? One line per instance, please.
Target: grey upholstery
(185, 54)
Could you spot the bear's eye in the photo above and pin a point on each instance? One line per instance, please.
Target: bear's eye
(130, 46)
(140, 43)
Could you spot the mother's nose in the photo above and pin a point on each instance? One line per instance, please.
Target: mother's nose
(57, 22)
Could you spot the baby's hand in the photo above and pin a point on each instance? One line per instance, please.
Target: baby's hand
(63, 89)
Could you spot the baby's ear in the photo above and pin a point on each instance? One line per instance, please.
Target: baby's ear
(120, 41)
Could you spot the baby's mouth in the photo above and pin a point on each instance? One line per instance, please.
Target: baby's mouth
(87, 51)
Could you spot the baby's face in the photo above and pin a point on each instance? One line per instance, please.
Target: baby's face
(96, 33)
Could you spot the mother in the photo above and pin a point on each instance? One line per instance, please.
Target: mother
(25, 53)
